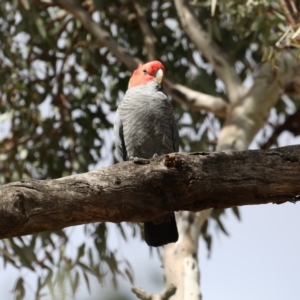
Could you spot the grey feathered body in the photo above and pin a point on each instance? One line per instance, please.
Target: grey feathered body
(145, 124)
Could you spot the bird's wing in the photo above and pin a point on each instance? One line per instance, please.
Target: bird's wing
(121, 152)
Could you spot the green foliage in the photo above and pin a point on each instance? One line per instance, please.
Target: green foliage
(59, 88)
(60, 267)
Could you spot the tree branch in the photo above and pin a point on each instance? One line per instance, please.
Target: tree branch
(166, 294)
(149, 38)
(180, 259)
(291, 124)
(142, 190)
(210, 51)
(100, 34)
(247, 116)
(287, 12)
(196, 100)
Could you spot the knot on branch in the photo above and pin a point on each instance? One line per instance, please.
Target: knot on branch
(18, 202)
(172, 161)
(117, 181)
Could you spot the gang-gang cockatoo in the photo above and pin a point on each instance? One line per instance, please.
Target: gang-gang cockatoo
(145, 127)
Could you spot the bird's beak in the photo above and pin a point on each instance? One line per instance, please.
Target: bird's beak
(159, 76)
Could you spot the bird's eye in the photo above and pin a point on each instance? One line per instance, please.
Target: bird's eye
(145, 71)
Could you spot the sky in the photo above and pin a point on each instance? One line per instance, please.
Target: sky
(260, 259)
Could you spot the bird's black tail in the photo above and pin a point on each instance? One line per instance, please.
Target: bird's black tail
(161, 231)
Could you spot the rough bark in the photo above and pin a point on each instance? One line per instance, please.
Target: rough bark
(141, 190)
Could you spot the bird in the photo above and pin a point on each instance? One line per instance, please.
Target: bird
(145, 127)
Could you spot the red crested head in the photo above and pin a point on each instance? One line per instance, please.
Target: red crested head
(153, 70)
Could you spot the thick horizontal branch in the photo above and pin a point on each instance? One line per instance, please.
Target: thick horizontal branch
(142, 190)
